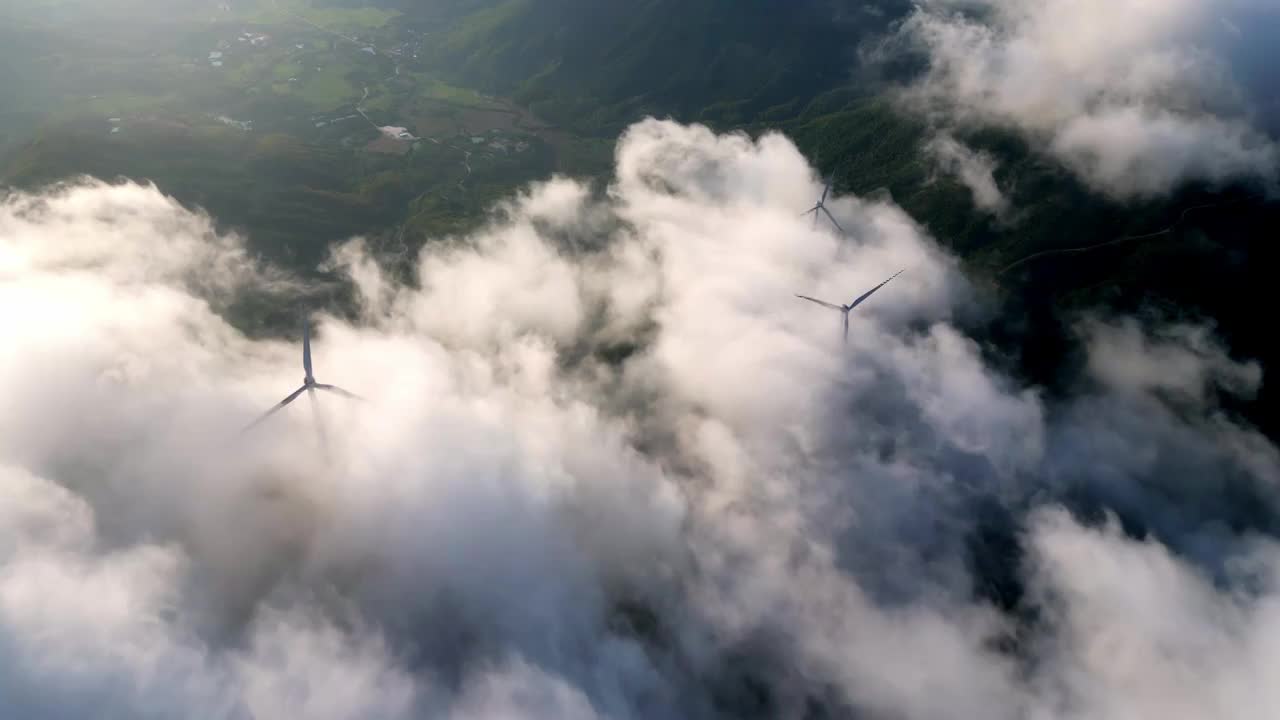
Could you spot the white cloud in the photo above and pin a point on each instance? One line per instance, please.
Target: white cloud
(975, 170)
(522, 691)
(1184, 359)
(1141, 633)
(608, 466)
(1136, 97)
(301, 666)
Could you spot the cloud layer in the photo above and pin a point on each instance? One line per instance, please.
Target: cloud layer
(608, 468)
(1135, 97)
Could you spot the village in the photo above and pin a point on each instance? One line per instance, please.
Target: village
(362, 90)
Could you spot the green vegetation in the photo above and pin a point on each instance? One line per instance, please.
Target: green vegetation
(430, 87)
(595, 66)
(482, 26)
(327, 89)
(344, 18)
(324, 18)
(290, 68)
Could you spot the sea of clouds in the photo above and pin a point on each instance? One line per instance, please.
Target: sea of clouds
(609, 467)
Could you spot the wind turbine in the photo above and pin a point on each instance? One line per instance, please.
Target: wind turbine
(821, 207)
(844, 309)
(309, 385)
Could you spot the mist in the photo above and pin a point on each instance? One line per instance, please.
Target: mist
(609, 467)
(975, 170)
(1135, 98)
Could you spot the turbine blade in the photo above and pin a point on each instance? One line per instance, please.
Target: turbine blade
(868, 293)
(846, 327)
(833, 220)
(293, 396)
(820, 302)
(826, 190)
(306, 347)
(811, 211)
(334, 388)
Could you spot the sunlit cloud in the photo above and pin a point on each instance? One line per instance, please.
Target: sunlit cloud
(608, 467)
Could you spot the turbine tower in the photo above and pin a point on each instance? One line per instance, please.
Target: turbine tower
(844, 309)
(309, 386)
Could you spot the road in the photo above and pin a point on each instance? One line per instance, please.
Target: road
(1128, 238)
(360, 109)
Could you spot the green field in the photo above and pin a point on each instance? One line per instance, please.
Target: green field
(119, 104)
(433, 88)
(287, 69)
(327, 89)
(284, 161)
(326, 18)
(340, 18)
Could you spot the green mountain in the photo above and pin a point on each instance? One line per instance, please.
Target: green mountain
(595, 66)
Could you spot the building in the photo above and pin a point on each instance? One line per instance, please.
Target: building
(397, 133)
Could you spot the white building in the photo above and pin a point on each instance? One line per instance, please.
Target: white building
(397, 133)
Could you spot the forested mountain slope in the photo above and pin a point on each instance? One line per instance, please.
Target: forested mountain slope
(594, 66)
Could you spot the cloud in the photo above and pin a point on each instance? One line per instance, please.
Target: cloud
(129, 234)
(608, 468)
(89, 629)
(1135, 97)
(1139, 631)
(1183, 359)
(975, 170)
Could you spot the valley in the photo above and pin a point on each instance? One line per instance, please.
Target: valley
(299, 125)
